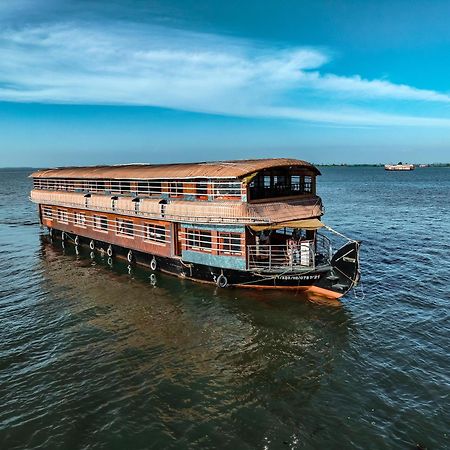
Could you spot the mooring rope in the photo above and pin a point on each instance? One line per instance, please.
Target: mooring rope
(339, 234)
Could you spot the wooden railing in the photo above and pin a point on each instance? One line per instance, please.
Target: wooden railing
(221, 217)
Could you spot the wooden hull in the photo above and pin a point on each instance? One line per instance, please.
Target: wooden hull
(324, 282)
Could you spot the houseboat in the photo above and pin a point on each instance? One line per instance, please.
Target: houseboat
(399, 167)
(249, 223)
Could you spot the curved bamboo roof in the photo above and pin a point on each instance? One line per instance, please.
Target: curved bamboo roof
(215, 169)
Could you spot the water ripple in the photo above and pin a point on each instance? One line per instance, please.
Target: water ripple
(95, 358)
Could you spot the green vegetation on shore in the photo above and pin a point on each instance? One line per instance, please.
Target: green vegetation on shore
(379, 165)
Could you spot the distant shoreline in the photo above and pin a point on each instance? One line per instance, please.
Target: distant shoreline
(381, 165)
(444, 165)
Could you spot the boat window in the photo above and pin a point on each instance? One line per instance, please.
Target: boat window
(230, 243)
(307, 184)
(125, 187)
(155, 233)
(176, 188)
(101, 223)
(87, 185)
(199, 240)
(124, 227)
(155, 187)
(280, 183)
(227, 189)
(295, 183)
(202, 188)
(143, 188)
(80, 219)
(47, 212)
(62, 216)
(115, 186)
(100, 185)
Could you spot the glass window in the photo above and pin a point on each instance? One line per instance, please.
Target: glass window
(307, 184)
(295, 183)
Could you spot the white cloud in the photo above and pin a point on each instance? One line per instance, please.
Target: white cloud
(361, 88)
(130, 64)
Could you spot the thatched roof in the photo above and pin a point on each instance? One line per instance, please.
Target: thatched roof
(216, 169)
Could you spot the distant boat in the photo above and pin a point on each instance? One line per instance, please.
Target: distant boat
(399, 166)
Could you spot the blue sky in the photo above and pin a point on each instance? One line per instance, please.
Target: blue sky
(91, 82)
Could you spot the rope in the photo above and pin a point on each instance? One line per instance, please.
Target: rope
(189, 266)
(346, 276)
(339, 234)
(69, 236)
(361, 288)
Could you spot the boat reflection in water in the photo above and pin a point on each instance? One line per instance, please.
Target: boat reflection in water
(168, 310)
(178, 353)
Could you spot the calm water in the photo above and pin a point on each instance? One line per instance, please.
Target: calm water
(94, 357)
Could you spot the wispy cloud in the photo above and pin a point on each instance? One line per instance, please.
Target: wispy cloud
(129, 64)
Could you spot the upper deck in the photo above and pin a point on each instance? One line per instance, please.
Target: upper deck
(279, 189)
(246, 181)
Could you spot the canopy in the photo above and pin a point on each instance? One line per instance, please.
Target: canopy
(305, 224)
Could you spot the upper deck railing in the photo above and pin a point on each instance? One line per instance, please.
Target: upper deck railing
(202, 189)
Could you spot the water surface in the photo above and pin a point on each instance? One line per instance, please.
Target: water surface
(99, 357)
